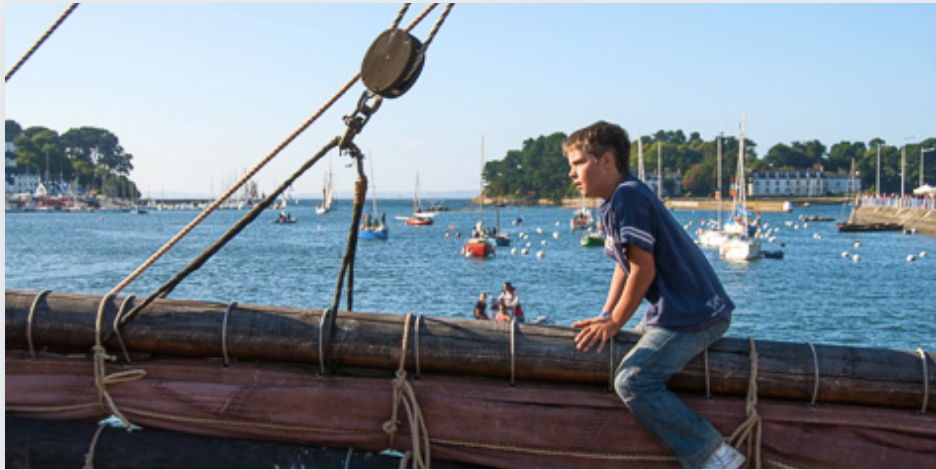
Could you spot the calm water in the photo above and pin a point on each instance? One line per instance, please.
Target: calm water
(813, 294)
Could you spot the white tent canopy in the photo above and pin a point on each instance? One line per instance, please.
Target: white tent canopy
(925, 190)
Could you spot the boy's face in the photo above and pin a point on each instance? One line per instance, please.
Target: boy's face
(591, 174)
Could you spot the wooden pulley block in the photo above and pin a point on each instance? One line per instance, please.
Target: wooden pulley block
(393, 63)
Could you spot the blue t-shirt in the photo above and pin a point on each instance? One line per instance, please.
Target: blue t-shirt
(686, 293)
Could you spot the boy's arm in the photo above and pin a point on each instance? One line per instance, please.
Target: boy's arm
(635, 286)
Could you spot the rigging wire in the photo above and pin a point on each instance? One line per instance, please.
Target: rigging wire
(41, 40)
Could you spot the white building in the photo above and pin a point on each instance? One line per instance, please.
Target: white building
(802, 183)
(651, 180)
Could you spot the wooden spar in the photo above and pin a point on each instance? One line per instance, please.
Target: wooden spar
(44, 443)
(862, 376)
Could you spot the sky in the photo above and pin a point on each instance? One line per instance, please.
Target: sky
(201, 93)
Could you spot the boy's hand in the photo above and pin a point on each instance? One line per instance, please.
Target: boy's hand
(594, 330)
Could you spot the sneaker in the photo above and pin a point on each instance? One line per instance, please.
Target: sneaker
(725, 457)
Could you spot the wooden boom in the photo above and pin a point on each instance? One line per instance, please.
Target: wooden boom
(850, 375)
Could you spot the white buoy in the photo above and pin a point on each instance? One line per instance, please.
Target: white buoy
(513, 251)
(911, 258)
(844, 254)
(805, 225)
(857, 244)
(539, 230)
(817, 236)
(922, 254)
(525, 251)
(558, 223)
(539, 254)
(529, 244)
(856, 258)
(556, 235)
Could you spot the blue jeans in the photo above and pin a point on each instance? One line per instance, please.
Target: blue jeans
(640, 381)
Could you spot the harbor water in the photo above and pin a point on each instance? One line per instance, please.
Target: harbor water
(816, 293)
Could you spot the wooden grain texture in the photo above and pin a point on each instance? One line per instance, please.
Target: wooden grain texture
(66, 323)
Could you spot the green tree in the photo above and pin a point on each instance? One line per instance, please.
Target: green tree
(98, 147)
(13, 130)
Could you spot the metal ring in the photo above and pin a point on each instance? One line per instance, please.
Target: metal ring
(815, 358)
(224, 323)
(925, 382)
(29, 321)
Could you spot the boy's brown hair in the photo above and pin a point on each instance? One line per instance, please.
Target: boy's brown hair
(597, 139)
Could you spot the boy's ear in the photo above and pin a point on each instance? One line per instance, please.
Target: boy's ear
(607, 160)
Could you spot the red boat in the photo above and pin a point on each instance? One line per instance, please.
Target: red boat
(419, 220)
(478, 247)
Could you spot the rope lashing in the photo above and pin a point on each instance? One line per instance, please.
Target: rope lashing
(41, 40)
(116, 326)
(513, 353)
(403, 393)
(224, 328)
(815, 358)
(749, 431)
(29, 321)
(416, 344)
(925, 382)
(101, 378)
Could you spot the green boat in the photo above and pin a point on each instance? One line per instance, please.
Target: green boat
(593, 239)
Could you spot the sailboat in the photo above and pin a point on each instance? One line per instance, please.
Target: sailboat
(582, 219)
(740, 245)
(479, 246)
(714, 236)
(500, 239)
(327, 196)
(371, 228)
(419, 217)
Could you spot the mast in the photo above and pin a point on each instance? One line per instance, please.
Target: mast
(481, 186)
(660, 169)
(742, 196)
(640, 162)
(719, 183)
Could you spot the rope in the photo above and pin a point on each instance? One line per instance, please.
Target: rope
(418, 321)
(558, 453)
(29, 321)
(89, 457)
(101, 378)
(925, 382)
(749, 431)
(41, 40)
(248, 218)
(403, 393)
(321, 341)
(224, 323)
(513, 354)
(815, 358)
(116, 326)
(399, 17)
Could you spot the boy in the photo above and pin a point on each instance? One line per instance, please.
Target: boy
(654, 260)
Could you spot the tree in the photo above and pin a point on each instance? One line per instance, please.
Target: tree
(13, 130)
(99, 147)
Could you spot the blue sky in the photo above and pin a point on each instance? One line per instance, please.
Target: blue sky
(199, 93)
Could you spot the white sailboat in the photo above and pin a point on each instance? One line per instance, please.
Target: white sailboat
(373, 228)
(327, 196)
(714, 236)
(740, 246)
